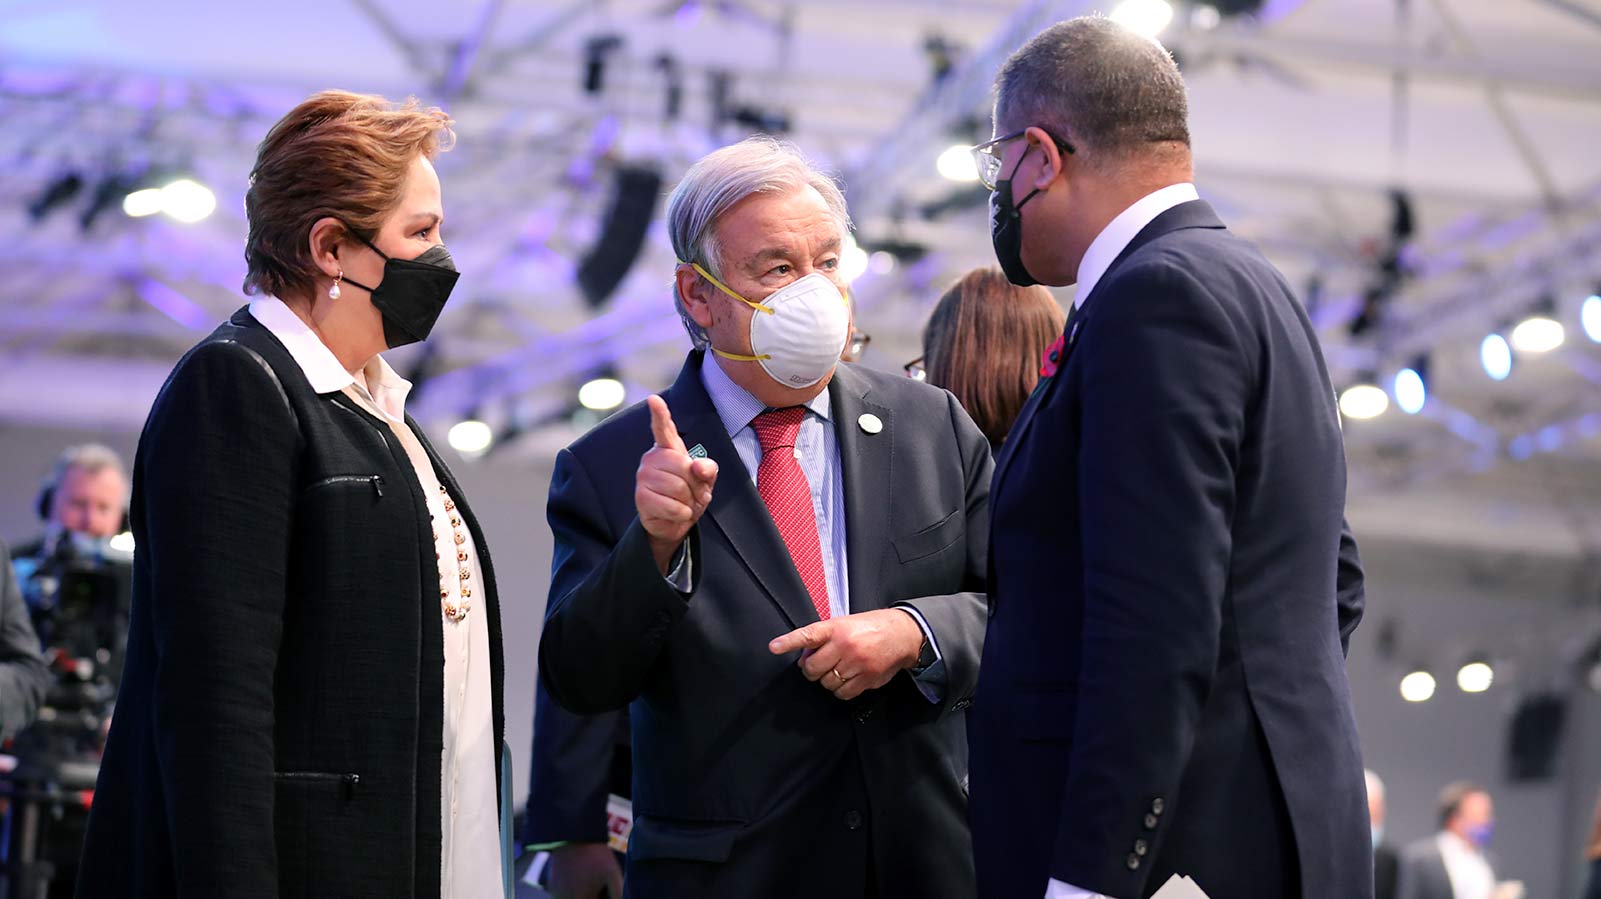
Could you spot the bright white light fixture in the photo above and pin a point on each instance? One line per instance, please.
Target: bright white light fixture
(601, 394)
(1475, 677)
(1205, 17)
(1495, 354)
(122, 543)
(956, 163)
(188, 201)
(882, 262)
(1411, 395)
(470, 437)
(852, 261)
(141, 203)
(1143, 17)
(1590, 316)
(1417, 687)
(1538, 334)
(1364, 401)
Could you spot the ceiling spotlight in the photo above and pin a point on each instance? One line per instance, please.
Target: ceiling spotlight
(142, 203)
(852, 260)
(601, 394)
(1590, 316)
(1417, 687)
(1146, 18)
(1495, 354)
(188, 201)
(956, 163)
(1540, 332)
(1411, 391)
(470, 437)
(1364, 401)
(882, 262)
(1205, 17)
(1475, 677)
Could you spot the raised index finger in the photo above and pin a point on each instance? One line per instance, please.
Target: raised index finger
(661, 425)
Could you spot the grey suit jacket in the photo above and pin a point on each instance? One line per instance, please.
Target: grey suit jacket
(23, 675)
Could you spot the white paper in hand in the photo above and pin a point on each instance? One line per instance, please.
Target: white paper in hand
(1179, 888)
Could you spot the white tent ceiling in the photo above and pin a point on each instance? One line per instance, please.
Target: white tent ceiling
(1486, 112)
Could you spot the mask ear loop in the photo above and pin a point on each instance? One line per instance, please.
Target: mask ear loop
(738, 357)
(725, 288)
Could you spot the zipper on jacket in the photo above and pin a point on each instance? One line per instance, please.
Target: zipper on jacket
(376, 480)
(349, 781)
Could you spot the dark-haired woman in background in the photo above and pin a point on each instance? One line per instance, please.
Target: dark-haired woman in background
(984, 343)
(311, 704)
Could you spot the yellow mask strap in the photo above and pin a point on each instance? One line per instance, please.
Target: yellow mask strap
(725, 289)
(739, 358)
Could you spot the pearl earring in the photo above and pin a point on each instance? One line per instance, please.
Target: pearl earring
(333, 290)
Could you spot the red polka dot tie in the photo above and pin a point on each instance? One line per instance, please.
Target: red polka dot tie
(783, 487)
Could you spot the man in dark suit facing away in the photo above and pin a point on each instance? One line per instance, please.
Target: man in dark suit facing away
(1163, 687)
(778, 566)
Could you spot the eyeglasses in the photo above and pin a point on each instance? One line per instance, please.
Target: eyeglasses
(915, 370)
(988, 160)
(857, 345)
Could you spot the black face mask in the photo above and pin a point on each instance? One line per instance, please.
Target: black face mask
(412, 293)
(1006, 229)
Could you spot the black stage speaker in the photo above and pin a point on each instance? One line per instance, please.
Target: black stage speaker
(622, 233)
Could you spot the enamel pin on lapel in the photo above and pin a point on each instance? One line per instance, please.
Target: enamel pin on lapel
(698, 451)
(870, 423)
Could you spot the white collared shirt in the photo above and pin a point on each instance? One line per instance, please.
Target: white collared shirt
(470, 845)
(1117, 235)
(1469, 871)
(1102, 252)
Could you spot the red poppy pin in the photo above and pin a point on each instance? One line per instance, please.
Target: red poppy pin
(1052, 357)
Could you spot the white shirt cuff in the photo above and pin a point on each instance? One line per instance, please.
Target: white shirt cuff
(682, 575)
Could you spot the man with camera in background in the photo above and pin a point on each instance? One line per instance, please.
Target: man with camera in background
(65, 614)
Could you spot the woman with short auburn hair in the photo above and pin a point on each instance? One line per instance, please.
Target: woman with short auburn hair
(311, 704)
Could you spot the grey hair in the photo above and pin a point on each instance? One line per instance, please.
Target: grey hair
(90, 457)
(717, 183)
(1110, 92)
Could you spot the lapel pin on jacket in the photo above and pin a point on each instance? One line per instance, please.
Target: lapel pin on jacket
(698, 451)
(870, 423)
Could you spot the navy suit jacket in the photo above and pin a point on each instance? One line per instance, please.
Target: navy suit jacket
(750, 780)
(1163, 684)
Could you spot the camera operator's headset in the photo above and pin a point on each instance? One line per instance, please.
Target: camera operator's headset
(47, 492)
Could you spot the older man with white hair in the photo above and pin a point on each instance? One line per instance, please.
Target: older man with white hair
(779, 563)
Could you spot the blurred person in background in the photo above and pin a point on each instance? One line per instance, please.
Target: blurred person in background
(312, 699)
(23, 675)
(1453, 863)
(1386, 861)
(1593, 853)
(76, 584)
(986, 342)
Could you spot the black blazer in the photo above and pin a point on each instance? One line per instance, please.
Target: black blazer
(1386, 871)
(750, 780)
(279, 727)
(578, 760)
(1164, 684)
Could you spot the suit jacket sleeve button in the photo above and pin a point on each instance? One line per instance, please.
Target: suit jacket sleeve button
(1158, 806)
(1141, 848)
(1133, 862)
(853, 819)
(1150, 822)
